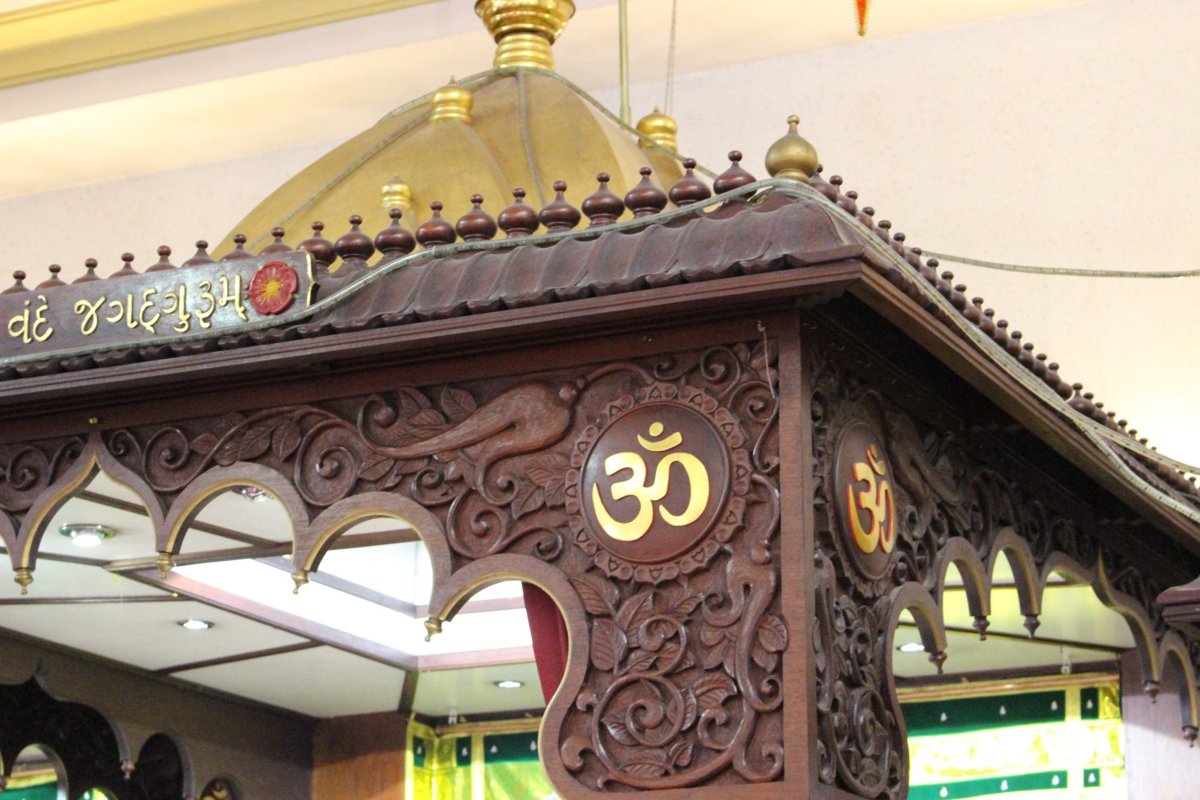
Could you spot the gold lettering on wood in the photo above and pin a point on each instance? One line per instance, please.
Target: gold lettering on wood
(877, 499)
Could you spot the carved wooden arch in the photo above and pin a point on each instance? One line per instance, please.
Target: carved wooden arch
(493, 473)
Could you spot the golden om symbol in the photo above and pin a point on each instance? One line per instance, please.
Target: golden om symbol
(635, 486)
(877, 500)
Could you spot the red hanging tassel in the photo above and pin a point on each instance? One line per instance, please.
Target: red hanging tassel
(863, 7)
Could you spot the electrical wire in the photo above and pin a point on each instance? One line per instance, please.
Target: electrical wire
(1066, 271)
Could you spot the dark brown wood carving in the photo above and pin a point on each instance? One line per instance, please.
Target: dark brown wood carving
(896, 502)
(642, 495)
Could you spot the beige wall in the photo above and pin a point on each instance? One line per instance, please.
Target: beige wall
(1065, 137)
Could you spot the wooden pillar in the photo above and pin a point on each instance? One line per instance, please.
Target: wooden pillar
(359, 756)
(1158, 761)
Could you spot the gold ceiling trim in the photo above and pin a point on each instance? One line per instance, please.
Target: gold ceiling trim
(68, 37)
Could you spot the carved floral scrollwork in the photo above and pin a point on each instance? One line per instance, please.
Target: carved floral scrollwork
(28, 469)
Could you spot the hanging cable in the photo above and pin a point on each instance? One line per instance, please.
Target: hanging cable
(669, 101)
(1067, 271)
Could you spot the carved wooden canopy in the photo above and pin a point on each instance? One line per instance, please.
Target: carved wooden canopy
(734, 443)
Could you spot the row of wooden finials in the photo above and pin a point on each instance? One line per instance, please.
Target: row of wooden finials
(603, 207)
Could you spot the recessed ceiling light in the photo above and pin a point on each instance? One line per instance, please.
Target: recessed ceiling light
(86, 534)
(911, 647)
(509, 684)
(193, 624)
(254, 494)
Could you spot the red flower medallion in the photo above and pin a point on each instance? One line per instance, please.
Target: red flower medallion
(273, 288)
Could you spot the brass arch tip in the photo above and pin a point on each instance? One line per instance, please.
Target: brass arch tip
(165, 564)
(432, 625)
(23, 577)
(299, 577)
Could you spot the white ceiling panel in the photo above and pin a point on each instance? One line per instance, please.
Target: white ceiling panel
(146, 635)
(468, 691)
(966, 654)
(321, 682)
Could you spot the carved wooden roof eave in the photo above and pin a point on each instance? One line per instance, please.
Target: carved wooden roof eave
(792, 242)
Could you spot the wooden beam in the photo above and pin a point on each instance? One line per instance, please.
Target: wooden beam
(235, 658)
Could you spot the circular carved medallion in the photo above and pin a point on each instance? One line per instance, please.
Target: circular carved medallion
(654, 482)
(659, 483)
(865, 499)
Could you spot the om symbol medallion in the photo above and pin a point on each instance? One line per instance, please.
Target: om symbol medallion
(865, 499)
(654, 482)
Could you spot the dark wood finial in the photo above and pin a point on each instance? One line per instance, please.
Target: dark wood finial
(317, 246)
(519, 219)
(435, 230)
(53, 281)
(126, 269)
(645, 199)
(200, 258)
(354, 247)
(602, 207)
(164, 260)
(733, 178)
(395, 241)
(476, 225)
(18, 283)
(89, 275)
(239, 250)
(277, 246)
(689, 189)
(559, 215)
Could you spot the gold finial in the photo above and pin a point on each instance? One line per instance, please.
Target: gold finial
(792, 156)
(659, 128)
(524, 29)
(165, 563)
(299, 577)
(397, 193)
(23, 577)
(452, 102)
(433, 625)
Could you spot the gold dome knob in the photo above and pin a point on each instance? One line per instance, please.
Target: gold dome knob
(525, 29)
(397, 193)
(452, 102)
(792, 156)
(659, 128)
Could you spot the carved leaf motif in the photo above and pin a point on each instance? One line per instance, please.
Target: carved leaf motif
(549, 472)
(772, 634)
(427, 423)
(690, 710)
(714, 689)
(720, 648)
(681, 753)
(529, 498)
(635, 611)
(640, 661)
(594, 600)
(204, 444)
(227, 453)
(764, 658)
(285, 439)
(375, 468)
(615, 725)
(647, 764)
(458, 403)
(679, 602)
(255, 441)
(608, 645)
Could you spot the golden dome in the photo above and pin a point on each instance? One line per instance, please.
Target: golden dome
(792, 156)
(526, 128)
(451, 102)
(660, 128)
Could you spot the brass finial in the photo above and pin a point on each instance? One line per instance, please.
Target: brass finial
(299, 577)
(452, 102)
(433, 625)
(659, 128)
(792, 156)
(23, 577)
(524, 29)
(397, 194)
(164, 563)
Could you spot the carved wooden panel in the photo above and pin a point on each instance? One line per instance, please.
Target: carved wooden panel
(896, 502)
(647, 490)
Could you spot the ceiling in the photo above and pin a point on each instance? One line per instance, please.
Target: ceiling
(216, 94)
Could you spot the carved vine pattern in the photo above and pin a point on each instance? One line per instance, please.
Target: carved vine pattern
(683, 683)
(942, 492)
